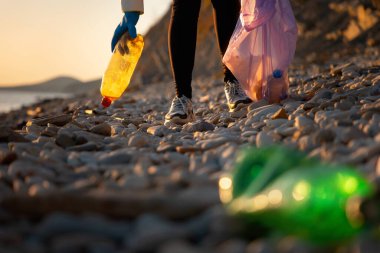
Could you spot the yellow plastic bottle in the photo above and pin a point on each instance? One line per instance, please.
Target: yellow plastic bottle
(121, 67)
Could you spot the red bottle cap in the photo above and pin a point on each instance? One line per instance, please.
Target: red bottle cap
(106, 102)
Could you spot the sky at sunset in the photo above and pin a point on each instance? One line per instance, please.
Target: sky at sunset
(43, 39)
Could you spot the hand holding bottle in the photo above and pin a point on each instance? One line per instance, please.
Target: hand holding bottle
(128, 24)
(121, 68)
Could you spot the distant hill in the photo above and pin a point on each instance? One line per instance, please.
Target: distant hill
(60, 85)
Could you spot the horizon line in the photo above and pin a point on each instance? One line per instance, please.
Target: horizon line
(45, 80)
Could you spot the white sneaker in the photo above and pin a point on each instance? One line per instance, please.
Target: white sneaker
(180, 112)
(236, 97)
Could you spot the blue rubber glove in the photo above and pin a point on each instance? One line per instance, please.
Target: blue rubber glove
(128, 24)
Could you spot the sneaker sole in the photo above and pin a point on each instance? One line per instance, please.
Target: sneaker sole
(239, 106)
(180, 121)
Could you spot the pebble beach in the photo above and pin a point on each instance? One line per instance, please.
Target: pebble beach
(75, 177)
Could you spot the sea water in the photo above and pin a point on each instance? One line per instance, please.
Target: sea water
(13, 100)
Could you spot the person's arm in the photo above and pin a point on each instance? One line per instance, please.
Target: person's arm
(132, 5)
(132, 9)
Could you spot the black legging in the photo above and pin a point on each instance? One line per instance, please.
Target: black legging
(183, 37)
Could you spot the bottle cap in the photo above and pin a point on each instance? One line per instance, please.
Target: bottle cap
(277, 73)
(106, 102)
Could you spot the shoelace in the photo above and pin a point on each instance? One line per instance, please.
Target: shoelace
(235, 89)
(177, 105)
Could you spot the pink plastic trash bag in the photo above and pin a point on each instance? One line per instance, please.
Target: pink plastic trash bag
(262, 48)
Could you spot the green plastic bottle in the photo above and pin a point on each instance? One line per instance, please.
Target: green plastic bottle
(284, 190)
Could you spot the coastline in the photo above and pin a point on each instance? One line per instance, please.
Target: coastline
(11, 99)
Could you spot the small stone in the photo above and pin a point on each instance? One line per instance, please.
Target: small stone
(8, 135)
(371, 129)
(159, 131)
(214, 143)
(89, 146)
(214, 119)
(242, 113)
(7, 158)
(19, 186)
(50, 131)
(58, 224)
(200, 126)
(248, 134)
(364, 153)
(34, 111)
(186, 149)
(302, 123)
(320, 95)
(265, 111)
(347, 134)
(285, 130)
(34, 129)
(33, 180)
(344, 105)
(350, 73)
(262, 246)
(343, 122)
(280, 114)
(276, 123)
(136, 121)
(329, 105)
(41, 188)
(179, 246)
(371, 107)
(22, 149)
(378, 169)
(120, 156)
(321, 116)
(117, 129)
(291, 106)
(310, 105)
(255, 125)
(132, 127)
(264, 139)
(228, 154)
(60, 120)
(232, 246)
(134, 182)
(204, 99)
(138, 140)
(306, 143)
(165, 147)
(102, 129)
(360, 143)
(323, 136)
(338, 69)
(257, 104)
(31, 137)
(81, 185)
(160, 231)
(25, 168)
(82, 137)
(44, 139)
(65, 140)
(377, 137)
